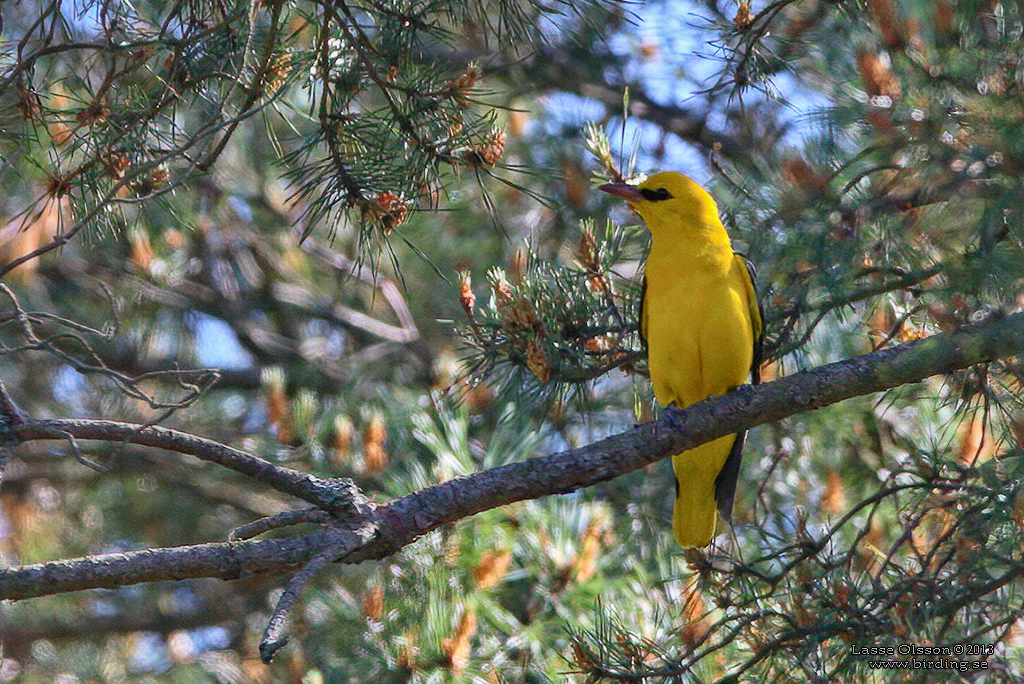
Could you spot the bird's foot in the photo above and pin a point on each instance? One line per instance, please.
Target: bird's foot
(673, 416)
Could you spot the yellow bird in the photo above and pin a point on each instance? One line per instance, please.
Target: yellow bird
(701, 320)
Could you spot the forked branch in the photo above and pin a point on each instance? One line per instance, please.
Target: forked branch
(366, 531)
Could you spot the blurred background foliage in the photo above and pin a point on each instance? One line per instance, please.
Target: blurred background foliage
(307, 229)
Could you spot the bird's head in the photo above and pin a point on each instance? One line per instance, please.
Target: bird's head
(667, 199)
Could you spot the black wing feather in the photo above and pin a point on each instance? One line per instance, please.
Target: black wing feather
(640, 323)
(755, 366)
(725, 483)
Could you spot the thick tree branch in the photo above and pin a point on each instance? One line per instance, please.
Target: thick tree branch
(377, 532)
(225, 560)
(413, 515)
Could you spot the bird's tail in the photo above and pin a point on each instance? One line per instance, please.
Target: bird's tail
(695, 514)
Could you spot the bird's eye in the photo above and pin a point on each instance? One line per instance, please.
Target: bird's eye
(655, 195)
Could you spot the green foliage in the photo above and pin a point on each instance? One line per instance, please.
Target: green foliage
(363, 122)
(897, 219)
(507, 582)
(866, 155)
(549, 330)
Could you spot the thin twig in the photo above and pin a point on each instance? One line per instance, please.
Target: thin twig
(275, 522)
(274, 634)
(340, 496)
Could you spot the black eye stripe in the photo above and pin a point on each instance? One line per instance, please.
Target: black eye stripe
(655, 195)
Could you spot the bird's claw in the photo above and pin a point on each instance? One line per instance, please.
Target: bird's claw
(673, 416)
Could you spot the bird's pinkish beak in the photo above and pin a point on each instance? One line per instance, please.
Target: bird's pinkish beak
(626, 192)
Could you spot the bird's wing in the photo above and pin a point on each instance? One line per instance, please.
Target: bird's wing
(756, 319)
(643, 313)
(725, 483)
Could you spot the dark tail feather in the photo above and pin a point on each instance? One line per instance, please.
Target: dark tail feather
(725, 483)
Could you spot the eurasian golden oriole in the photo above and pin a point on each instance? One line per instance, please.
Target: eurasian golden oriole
(702, 324)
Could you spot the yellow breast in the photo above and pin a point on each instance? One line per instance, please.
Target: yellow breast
(697, 321)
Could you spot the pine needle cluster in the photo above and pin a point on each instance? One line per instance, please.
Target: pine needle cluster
(108, 106)
(549, 330)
